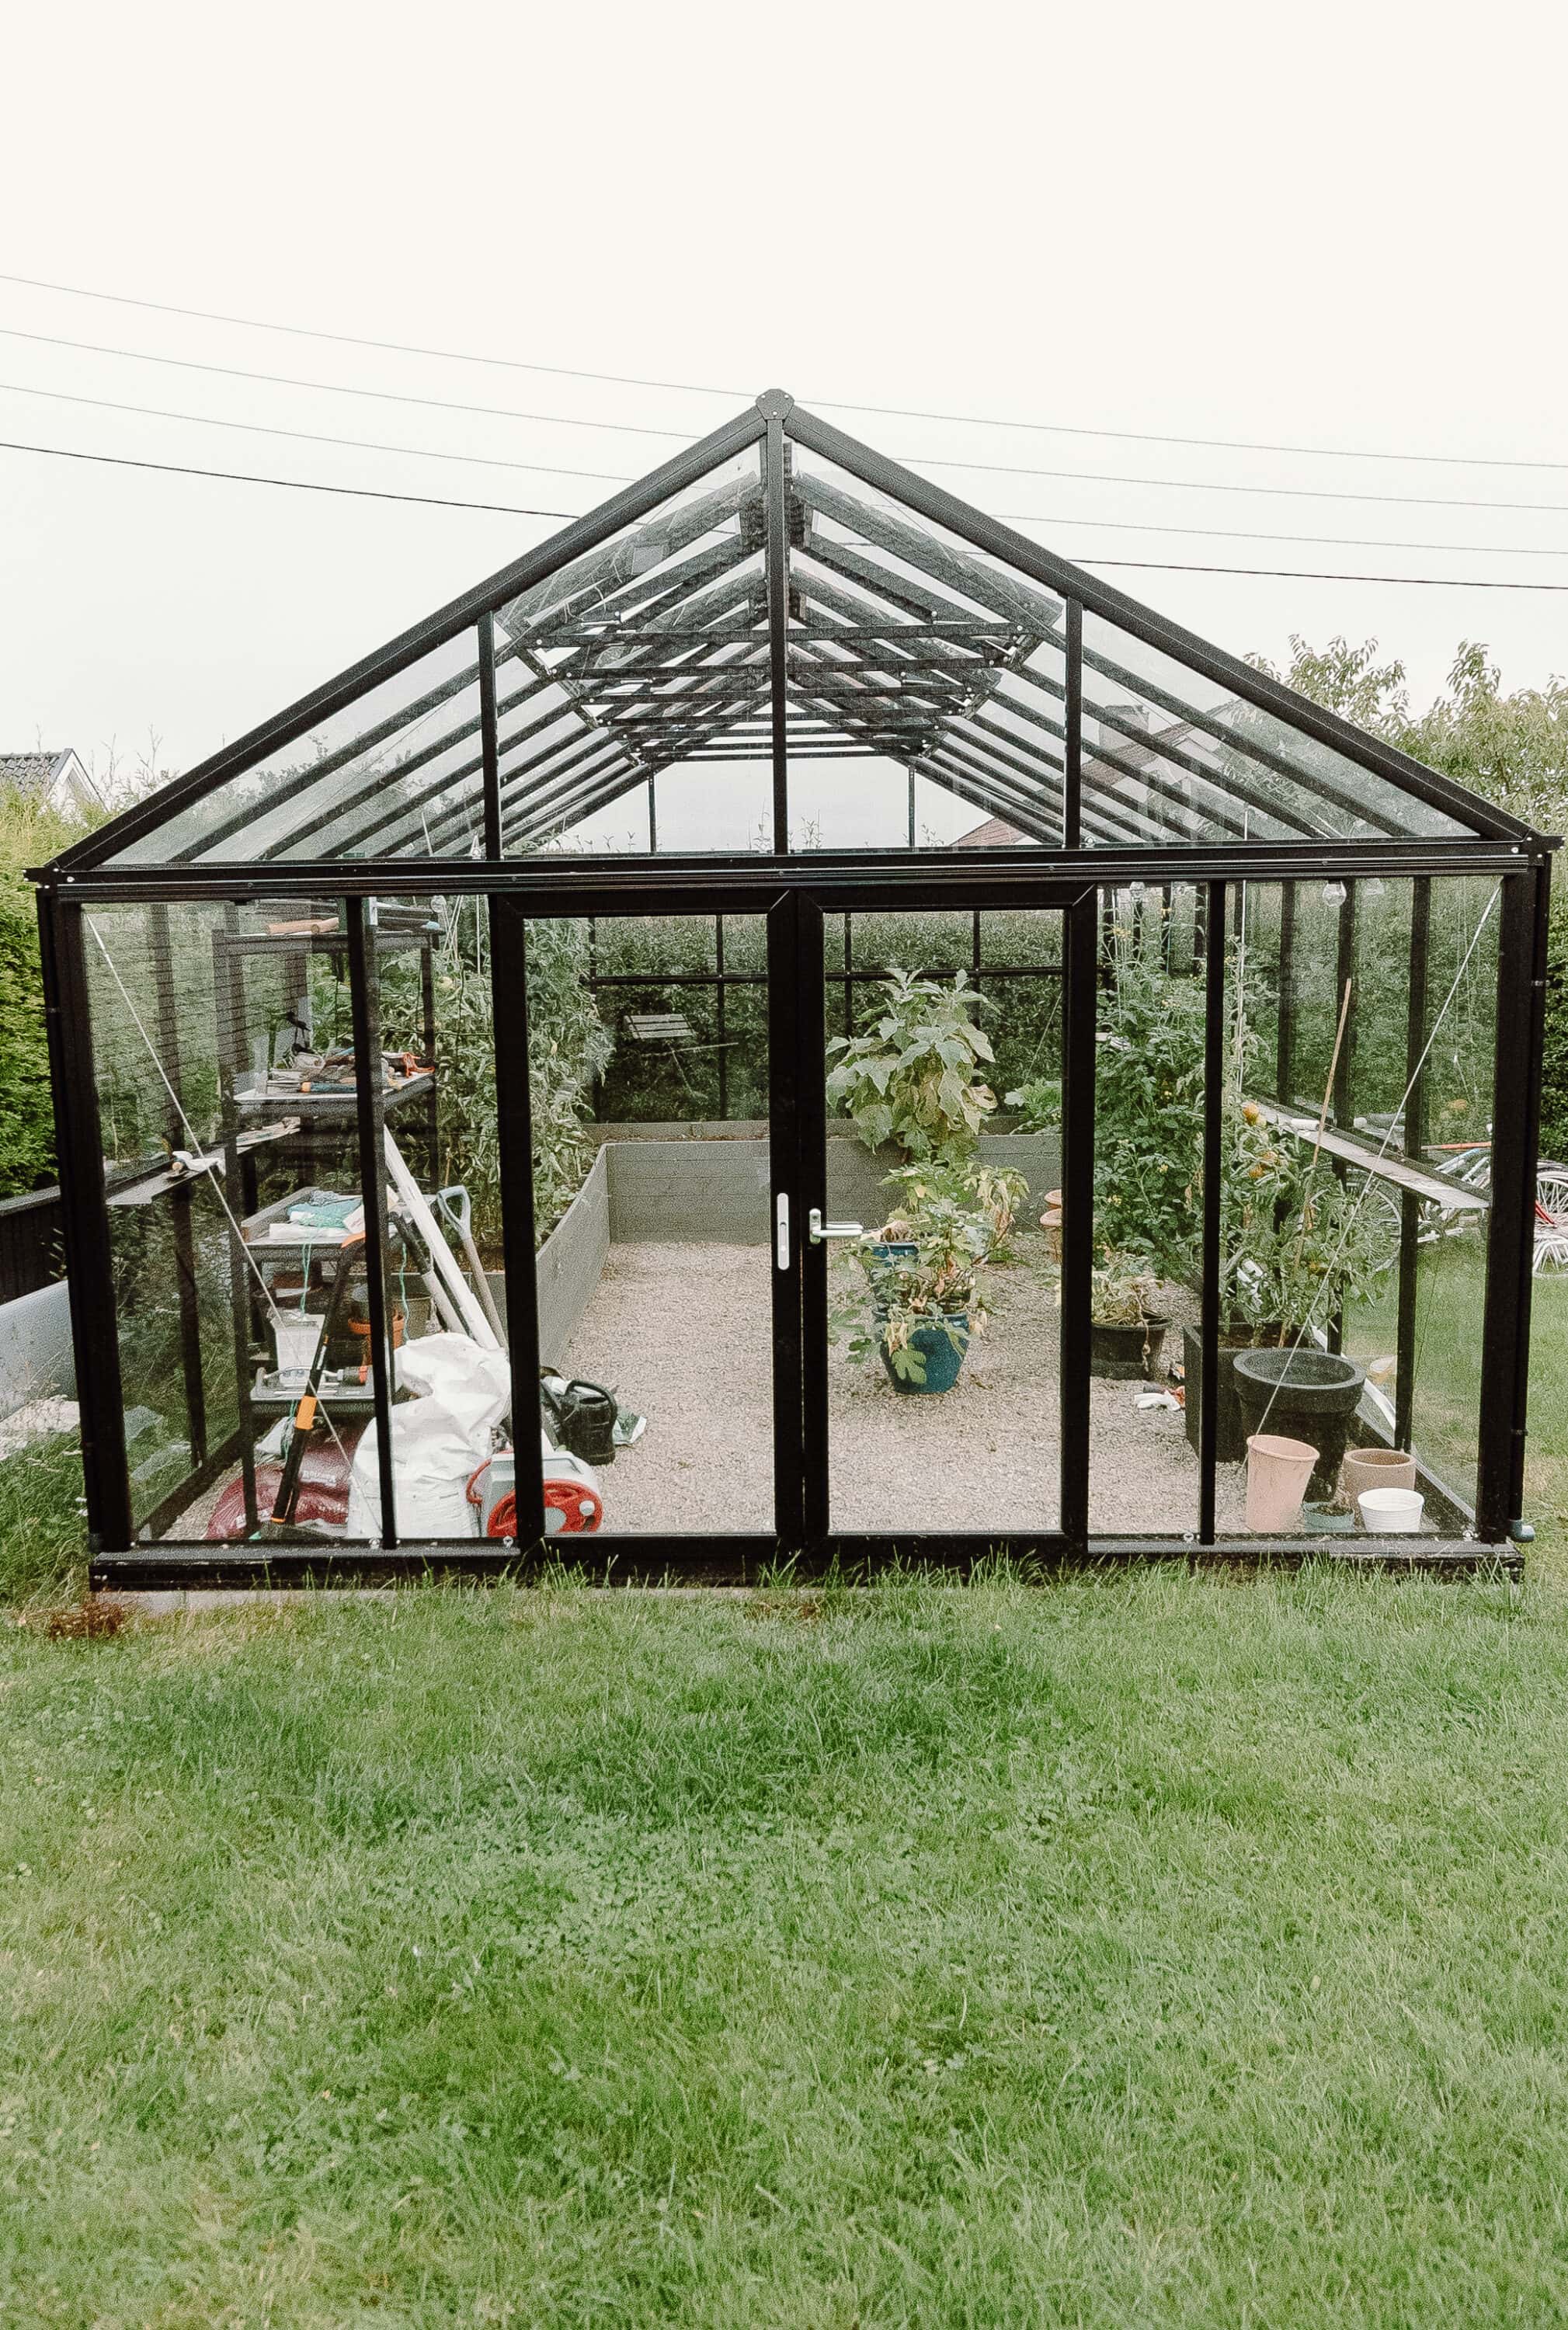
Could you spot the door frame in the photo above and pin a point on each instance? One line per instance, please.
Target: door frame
(1077, 904)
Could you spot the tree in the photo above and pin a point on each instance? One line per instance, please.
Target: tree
(1512, 750)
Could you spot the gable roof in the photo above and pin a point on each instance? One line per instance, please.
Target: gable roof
(777, 593)
(38, 776)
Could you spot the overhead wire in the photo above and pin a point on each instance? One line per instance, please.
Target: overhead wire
(620, 477)
(836, 404)
(513, 509)
(643, 429)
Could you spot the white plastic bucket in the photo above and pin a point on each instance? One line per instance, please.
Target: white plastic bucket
(1390, 1512)
(295, 1336)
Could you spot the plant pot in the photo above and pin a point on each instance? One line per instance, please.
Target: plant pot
(1277, 1471)
(1303, 1394)
(1390, 1512)
(1374, 1468)
(1230, 1431)
(942, 1354)
(1124, 1348)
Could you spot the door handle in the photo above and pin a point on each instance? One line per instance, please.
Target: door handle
(821, 1231)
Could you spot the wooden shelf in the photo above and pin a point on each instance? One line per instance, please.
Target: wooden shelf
(1452, 1196)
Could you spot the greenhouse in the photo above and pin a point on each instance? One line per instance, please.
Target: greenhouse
(791, 1027)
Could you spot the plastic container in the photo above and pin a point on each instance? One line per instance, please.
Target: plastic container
(1392, 1513)
(1277, 1471)
(294, 1337)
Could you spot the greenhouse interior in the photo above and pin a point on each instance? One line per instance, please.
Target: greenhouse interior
(792, 1028)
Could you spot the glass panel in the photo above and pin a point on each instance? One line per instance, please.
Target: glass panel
(656, 1269)
(396, 769)
(653, 643)
(898, 635)
(1149, 1108)
(944, 1362)
(215, 1031)
(1208, 765)
(1320, 1241)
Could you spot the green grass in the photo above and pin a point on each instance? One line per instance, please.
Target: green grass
(1150, 1953)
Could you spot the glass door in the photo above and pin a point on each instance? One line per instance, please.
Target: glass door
(933, 1062)
(667, 1341)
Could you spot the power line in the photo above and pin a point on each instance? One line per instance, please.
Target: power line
(615, 476)
(512, 509)
(834, 405)
(304, 485)
(641, 429)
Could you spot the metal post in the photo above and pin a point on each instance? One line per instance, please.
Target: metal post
(1344, 977)
(796, 1147)
(490, 751)
(721, 1017)
(1511, 1240)
(1081, 1008)
(778, 540)
(1285, 1033)
(911, 809)
(514, 1129)
(1345, 1069)
(229, 1012)
(1073, 748)
(653, 822)
(160, 951)
(1415, 1143)
(1214, 1168)
(84, 1218)
(370, 1097)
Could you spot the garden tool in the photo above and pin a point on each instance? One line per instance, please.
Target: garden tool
(308, 1417)
(453, 1205)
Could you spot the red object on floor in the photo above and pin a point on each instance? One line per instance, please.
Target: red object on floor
(323, 1494)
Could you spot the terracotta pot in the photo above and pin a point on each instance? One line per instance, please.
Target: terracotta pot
(1373, 1468)
(1277, 1471)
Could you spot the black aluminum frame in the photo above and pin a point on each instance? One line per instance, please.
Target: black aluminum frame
(1062, 865)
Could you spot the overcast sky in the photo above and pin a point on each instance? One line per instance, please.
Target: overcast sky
(1336, 228)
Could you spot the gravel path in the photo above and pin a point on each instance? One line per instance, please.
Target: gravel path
(683, 1333)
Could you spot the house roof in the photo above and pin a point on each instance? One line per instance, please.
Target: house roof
(782, 593)
(34, 773)
(995, 833)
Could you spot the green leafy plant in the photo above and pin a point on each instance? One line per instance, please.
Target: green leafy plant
(913, 1074)
(1123, 1291)
(1297, 1244)
(1038, 1102)
(1148, 1113)
(991, 1193)
(935, 1286)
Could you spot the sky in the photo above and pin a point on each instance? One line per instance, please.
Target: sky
(1336, 230)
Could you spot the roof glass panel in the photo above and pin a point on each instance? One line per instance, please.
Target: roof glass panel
(939, 668)
(1161, 737)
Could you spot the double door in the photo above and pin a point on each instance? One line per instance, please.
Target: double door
(769, 1066)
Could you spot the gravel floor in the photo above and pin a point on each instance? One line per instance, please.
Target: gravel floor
(683, 1333)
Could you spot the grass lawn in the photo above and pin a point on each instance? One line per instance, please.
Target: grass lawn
(1152, 1952)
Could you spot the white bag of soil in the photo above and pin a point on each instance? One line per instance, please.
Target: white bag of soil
(439, 1440)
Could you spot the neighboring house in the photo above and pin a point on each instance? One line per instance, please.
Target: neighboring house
(995, 834)
(56, 781)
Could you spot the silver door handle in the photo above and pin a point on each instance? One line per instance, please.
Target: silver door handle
(820, 1231)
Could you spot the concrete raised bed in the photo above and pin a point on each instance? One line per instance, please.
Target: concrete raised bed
(712, 1181)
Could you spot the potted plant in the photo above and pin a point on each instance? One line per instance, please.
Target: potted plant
(1126, 1327)
(923, 1269)
(1296, 1249)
